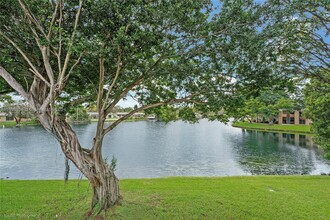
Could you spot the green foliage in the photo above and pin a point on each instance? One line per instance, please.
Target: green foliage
(253, 107)
(6, 99)
(267, 105)
(17, 110)
(78, 113)
(166, 50)
(317, 99)
(298, 34)
(4, 87)
(272, 110)
(177, 49)
(164, 113)
(256, 197)
(188, 114)
(113, 163)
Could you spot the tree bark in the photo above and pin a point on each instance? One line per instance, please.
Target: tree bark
(18, 121)
(67, 170)
(105, 187)
(103, 180)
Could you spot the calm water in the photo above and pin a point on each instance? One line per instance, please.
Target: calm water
(154, 149)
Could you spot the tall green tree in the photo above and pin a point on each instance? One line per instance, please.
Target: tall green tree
(252, 109)
(18, 110)
(317, 99)
(267, 105)
(164, 54)
(57, 54)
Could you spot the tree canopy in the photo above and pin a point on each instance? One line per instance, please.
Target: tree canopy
(317, 96)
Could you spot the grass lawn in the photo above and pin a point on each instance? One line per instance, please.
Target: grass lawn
(253, 197)
(275, 127)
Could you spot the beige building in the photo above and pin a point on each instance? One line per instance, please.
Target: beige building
(3, 116)
(295, 118)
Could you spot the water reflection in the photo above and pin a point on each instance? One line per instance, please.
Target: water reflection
(277, 153)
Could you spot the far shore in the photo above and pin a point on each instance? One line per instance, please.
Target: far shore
(10, 124)
(284, 128)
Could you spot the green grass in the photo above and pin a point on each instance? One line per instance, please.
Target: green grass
(254, 197)
(274, 127)
(13, 123)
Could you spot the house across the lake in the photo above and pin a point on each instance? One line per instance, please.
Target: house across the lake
(296, 118)
(3, 116)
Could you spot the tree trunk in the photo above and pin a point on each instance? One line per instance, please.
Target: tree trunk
(105, 187)
(67, 170)
(18, 121)
(90, 162)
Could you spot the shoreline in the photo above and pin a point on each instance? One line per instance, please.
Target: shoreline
(295, 129)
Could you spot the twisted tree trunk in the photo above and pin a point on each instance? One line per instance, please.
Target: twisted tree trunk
(102, 178)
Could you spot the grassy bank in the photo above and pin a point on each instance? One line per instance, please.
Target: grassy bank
(304, 129)
(13, 123)
(254, 197)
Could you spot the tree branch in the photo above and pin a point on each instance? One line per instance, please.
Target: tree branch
(32, 18)
(47, 65)
(34, 69)
(68, 54)
(132, 85)
(46, 102)
(53, 20)
(119, 67)
(100, 110)
(60, 37)
(324, 21)
(81, 100)
(13, 83)
(122, 94)
(69, 73)
(101, 85)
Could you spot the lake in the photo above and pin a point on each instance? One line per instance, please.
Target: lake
(155, 149)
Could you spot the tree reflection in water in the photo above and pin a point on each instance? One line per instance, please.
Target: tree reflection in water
(276, 153)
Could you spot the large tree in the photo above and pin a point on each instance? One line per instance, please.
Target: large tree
(58, 52)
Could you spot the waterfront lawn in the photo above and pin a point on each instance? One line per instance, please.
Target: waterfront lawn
(253, 197)
(274, 127)
(13, 123)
